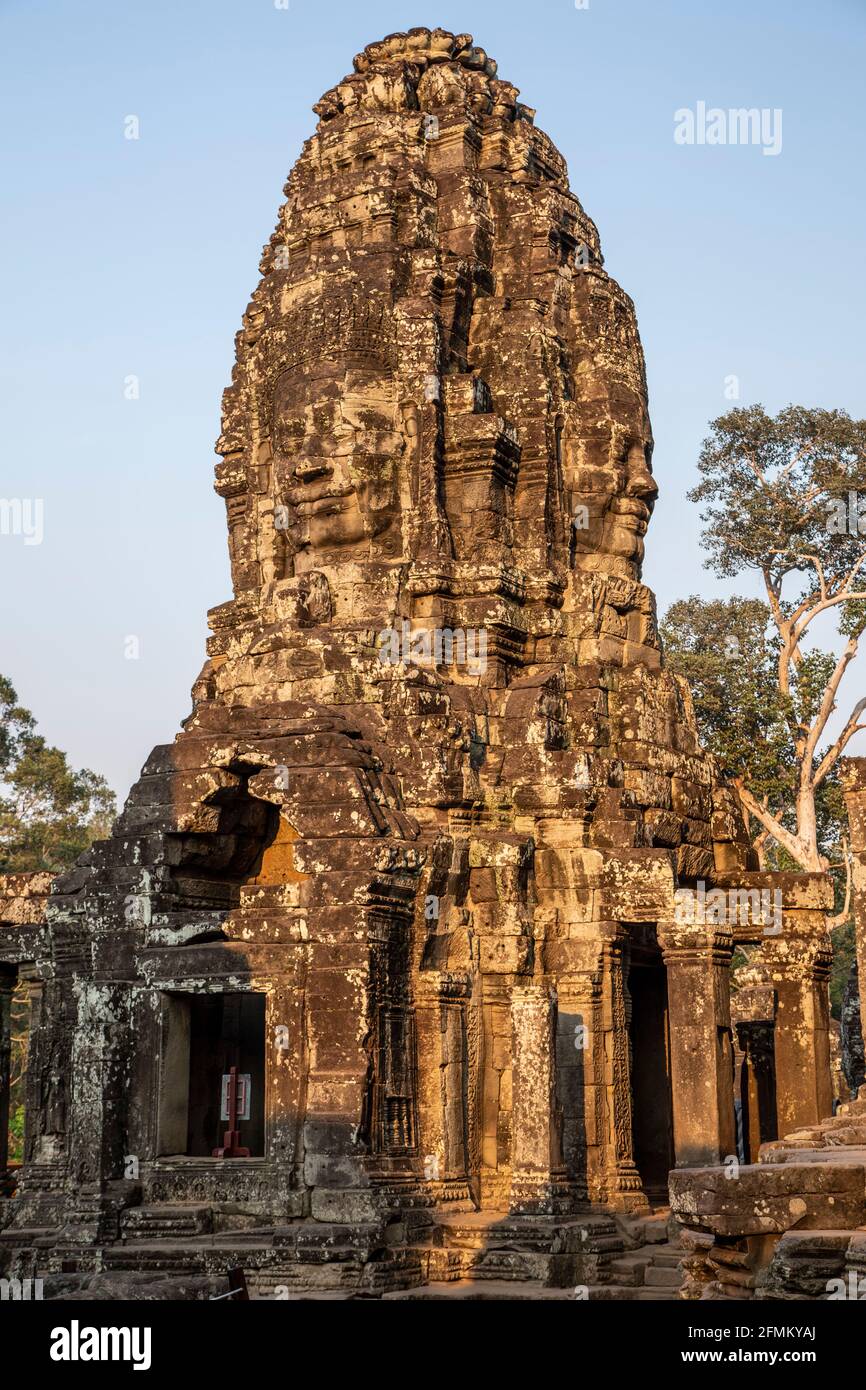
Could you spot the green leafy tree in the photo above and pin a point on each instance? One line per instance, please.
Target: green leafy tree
(781, 499)
(49, 813)
(727, 649)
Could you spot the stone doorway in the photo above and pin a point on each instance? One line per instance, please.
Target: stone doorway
(652, 1109)
(755, 1086)
(203, 1035)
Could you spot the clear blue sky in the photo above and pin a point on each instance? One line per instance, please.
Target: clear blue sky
(137, 258)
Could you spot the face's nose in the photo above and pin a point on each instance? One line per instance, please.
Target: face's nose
(641, 483)
(305, 469)
(312, 459)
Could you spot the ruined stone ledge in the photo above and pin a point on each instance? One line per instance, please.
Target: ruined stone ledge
(764, 1198)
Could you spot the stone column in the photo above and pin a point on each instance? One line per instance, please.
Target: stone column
(578, 1083)
(7, 987)
(798, 964)
(853, 774)
(536, 1162)
(97, 1092)
(698, 959)
(345, 1082)
(439, 1020)
(624, 1185)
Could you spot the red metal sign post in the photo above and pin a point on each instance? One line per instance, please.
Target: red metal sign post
(232, 1137)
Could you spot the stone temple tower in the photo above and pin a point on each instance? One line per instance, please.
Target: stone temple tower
(410, 867)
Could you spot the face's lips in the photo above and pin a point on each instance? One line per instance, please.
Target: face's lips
(329, 505)
(632, 512)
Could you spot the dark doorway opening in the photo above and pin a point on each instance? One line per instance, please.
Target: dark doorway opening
(652, 1110)
(203, 1036)
(755, 1087)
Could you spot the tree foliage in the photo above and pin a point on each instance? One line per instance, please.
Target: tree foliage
(49, 813)
(784, 498)
(727, 649)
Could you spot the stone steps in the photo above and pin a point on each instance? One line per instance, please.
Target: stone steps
(667, 1256)
(617, 1293)
(480, 1231)
(501, 1257)
(141, 1259)
(650, 1230)
(652, 1266)
(443, 1265)
(629, 1270)
(478, 1255)
(152, 1222)
(523, 1291)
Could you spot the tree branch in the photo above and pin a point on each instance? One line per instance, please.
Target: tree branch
(828, 703)
(835, 751)
(774, 828)
(841, 918)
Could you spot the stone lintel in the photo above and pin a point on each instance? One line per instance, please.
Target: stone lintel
(798, 890)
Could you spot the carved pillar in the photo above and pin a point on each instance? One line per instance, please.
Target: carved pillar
(853, 774)
(753, 1012)
(612, 1053)
(698, 960)
(360, 1122)
(495, 1096)
(97, 1069)
(535, 1147)
(33, 1118)
(7, 987)
(347, 1080)
(798, 964)
(286, 1062)
(579, 1087)
(442, 1080)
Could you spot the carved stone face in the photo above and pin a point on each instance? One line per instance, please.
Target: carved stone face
(336, 450)
(608, 472)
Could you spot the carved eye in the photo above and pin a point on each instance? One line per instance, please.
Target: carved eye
(289, 435)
